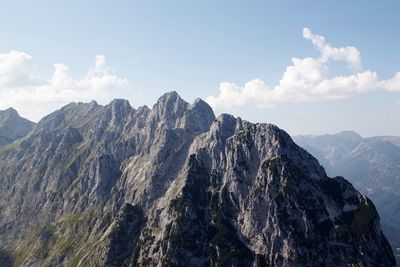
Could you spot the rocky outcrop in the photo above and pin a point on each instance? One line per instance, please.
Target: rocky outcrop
(175, 186)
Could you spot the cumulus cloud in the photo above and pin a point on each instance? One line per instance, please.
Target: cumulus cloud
(348, 54)
(16, 69)
(308, 79)
(22, 88)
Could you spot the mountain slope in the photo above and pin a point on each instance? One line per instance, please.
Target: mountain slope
(395, 140)
(12, 126)
(173, 185)
(371, 164)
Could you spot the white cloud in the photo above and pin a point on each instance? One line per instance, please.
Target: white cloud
(308, 79)
(16, 69)
(348, 54)
(22, 88)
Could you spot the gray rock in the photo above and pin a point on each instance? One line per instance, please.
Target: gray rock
(174, 186)
(372, 165)
(12, 126)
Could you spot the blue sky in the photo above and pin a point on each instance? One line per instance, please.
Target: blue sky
(150, 47)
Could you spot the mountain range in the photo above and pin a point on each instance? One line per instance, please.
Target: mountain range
(94, 185)
(372, 165)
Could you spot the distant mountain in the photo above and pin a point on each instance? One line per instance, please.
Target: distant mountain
(395, 140)
(111, 185)
(12, 126)
(371, 164)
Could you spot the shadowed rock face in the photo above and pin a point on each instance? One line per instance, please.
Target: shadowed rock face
(12, 126)
(175, 186)
(372, 165)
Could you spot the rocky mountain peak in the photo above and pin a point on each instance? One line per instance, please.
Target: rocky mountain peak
(226, 125)
(120, 106)
(12, 126)
(170, 105)
(173, 186)
(120, 109)
(199, 116)
(72, 114)
(200, 105)
(350, 135)
(11, 111)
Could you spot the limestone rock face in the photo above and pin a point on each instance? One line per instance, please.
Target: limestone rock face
(172, 185)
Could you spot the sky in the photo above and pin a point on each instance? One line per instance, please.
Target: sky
(310, 67)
